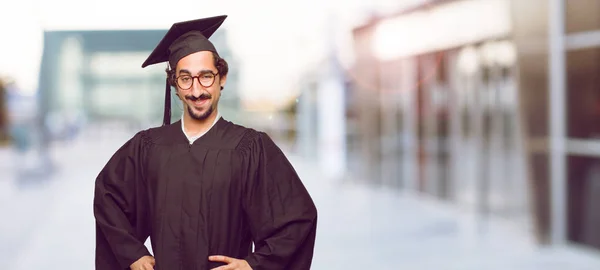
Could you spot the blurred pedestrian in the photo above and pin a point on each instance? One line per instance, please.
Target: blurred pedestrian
(4, 134)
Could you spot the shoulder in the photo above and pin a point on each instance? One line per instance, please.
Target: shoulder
(160, 135)
(232, 132)
(161, 130)
(257, 141)
(237, 136)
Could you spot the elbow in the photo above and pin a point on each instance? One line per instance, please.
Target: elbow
(308, 215)
(313, 213)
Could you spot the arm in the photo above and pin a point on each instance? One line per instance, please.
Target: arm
(120, 209)
(281, 213)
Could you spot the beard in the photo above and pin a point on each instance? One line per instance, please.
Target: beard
(199, 115)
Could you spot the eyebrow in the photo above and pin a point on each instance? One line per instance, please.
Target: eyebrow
(201, 71)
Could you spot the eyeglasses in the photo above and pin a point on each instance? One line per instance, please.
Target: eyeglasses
(185, 82)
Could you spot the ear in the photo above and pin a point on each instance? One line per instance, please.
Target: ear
(223, 81)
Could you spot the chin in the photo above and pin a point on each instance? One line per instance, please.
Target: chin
(200, 114)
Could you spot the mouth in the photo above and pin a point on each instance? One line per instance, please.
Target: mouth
(199, 101)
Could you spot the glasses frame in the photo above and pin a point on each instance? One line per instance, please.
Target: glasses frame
(198, 79)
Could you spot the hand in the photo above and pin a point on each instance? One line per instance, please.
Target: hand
(144, 263)
(232, 263)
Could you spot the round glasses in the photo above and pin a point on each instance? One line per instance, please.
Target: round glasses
(185, 82)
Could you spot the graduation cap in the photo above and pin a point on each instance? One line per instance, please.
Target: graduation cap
(183, 39)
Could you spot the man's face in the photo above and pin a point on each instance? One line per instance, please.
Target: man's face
(202, 97)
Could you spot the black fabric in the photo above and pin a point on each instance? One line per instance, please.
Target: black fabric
(229, 189)
(188, 43)
(167, 111)
(205, 26)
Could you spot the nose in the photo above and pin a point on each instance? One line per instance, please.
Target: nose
(197, 88)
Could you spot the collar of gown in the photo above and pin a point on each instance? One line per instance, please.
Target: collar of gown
(192, 139)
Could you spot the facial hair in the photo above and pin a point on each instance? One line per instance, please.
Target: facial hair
(199, 116)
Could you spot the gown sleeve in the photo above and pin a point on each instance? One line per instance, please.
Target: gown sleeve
(120, 208)
(279, 209)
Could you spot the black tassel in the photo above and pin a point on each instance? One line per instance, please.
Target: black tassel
(167, 115)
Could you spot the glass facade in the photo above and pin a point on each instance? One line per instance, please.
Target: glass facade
(582, 24)
(469, 124)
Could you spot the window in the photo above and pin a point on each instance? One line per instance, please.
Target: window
(583, 93)
(582, 15)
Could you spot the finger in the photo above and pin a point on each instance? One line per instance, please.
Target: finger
(148, 266)
(221, 258)
(224, 267)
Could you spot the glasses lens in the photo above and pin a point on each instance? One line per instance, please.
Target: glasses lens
(207, 79)
(185, 82)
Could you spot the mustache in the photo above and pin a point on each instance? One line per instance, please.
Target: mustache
(202, 96)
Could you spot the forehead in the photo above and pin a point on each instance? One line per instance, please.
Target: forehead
(196, 62)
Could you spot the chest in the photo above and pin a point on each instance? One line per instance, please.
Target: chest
(194, 174)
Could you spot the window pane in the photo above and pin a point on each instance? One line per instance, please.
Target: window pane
(583, 199)
(582, 15)
(583, 93)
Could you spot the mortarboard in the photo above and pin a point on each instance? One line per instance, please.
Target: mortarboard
(182, 39)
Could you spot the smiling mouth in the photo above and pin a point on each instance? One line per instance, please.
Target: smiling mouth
(200, 101)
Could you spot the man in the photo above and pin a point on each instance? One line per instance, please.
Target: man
(203, 189)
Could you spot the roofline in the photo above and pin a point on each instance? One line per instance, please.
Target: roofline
(375, 19)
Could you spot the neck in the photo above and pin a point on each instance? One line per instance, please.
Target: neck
(194, 126)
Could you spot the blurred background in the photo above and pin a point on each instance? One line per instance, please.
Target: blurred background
(449, 134)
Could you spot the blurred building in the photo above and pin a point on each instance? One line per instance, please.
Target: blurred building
(96, 75)
(461, 100)
(322, 135)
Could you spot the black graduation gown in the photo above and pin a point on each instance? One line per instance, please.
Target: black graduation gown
(229, 189)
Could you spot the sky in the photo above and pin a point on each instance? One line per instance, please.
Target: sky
(275, 40)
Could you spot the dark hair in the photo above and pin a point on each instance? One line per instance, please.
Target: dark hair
(220, 64)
